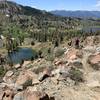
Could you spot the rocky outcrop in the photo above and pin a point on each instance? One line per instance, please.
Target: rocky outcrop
(7, 78)
(37, 95)
(46, 73)
(73, 54)
(94, 61)
(31, 95)
(26, 78)
(68, 77)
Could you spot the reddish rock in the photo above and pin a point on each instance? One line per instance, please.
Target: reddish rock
(25, 76)
(37, 95)
(94, 60)
(57, 63)
(31, 95)
(47, 71)
(74, 54)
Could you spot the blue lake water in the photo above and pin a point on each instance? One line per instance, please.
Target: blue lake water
(89, 29)
(21, 54)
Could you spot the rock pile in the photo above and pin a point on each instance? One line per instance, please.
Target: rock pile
(74, 76)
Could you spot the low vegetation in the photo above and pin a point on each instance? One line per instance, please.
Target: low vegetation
(76, 75)
(2, 71)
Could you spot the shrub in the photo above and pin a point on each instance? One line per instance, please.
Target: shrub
(56, 43)
(59, 52)
(27, 83)
(40, 54)
(32, 43)
(2, 71)
(50, 57)
(76, 75)
(49, 50)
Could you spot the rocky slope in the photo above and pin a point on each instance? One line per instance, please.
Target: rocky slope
(73, 76)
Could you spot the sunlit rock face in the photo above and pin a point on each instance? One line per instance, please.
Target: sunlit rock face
(94, 61)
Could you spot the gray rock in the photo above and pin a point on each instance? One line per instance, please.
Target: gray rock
(9, 73)
(19, 96)
(77, 63)
(98, 49)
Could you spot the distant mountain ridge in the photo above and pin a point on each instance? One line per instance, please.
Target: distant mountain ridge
(11, 6)
(78, 13)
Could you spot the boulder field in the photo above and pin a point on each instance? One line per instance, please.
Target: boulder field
(73, 76)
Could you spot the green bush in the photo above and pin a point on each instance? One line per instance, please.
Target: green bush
(50, 57)
(2, 71)
(76, 75)
(27, 83)
(59, 52)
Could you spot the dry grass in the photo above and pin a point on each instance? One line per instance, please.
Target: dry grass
(3, 51)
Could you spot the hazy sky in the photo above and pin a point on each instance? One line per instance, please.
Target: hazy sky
(62, 4)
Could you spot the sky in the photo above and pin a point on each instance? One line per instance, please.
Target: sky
(49, 5)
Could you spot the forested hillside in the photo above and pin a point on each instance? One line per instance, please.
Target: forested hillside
(29, 20)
